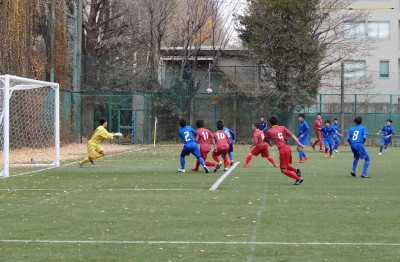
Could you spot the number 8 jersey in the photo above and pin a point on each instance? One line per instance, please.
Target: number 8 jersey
(357, 134)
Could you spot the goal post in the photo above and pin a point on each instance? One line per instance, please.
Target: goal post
(29, 124)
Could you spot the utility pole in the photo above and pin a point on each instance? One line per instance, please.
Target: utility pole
(76, 76)
(342, 98)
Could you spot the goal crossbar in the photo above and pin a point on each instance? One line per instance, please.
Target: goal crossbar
(7, 92)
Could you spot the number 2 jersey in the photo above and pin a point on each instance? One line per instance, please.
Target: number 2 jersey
(279, 135)
(258, 138)
(188, 134)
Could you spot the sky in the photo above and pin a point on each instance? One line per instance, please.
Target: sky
(229, 10)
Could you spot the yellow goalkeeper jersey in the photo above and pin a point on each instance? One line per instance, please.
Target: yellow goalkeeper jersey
(100, 134)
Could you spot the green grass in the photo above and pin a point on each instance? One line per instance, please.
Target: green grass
(114, 210)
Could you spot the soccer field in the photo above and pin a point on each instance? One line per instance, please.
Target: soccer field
(136, 207)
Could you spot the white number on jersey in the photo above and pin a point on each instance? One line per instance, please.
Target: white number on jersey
(280, 135)
(262, 136)
(221, 136)
(187, 134)
(205, 135)
(355, 135)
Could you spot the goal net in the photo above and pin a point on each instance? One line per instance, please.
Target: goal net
(29, 125)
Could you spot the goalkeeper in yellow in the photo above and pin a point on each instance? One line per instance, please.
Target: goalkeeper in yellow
(95, 151)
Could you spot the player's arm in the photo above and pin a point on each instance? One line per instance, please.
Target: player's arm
(296, 140)
(232, 135)
(105, 134)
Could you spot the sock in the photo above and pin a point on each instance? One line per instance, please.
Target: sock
(366, 165)
(320, 145)
(336, 146)
(330, 150)
(380, 149)
(226, 161)
(300, 155)
(215, 158)
(97, 156)
(355, 162)
(326, 150)
(230, 156)
(248, 159)
(304, 154)
(197, 164)
(201, 160)
(291, 174)
(182, 162)
(208, 163)
(291, 168)
(272, 160)
(85, 160)
(315, 143)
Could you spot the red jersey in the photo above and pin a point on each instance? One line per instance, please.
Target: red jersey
(279, 135)
(258, 137)
(318, 124)
(204, 137)
(221, 140)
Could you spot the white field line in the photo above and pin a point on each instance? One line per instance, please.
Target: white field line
(71, 163)
(94, 189)
(112, 242)
(222, 178)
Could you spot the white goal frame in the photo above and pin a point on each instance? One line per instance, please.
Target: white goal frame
(5, 117)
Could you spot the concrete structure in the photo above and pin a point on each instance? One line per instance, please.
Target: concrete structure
(383, 64)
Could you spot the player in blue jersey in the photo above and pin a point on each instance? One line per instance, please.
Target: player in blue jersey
(303, 138)
(188, 134)
(262, 125)
(388, 132)
(336, 138)
(356, 138)
(327, 134)
(231, 136)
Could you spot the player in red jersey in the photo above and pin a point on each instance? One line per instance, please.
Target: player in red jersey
(222, 147)
(279, 135)
(259, 146)
(317, 129)
(204, 137)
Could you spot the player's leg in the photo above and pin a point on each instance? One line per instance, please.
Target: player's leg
(185, 152)
(330, 149)
(285, 159)
(265, 154)
(230, 153)
(90, 154)
(364, 155)
(336, 146)
(254, 152)
(226, 160)
(204, 156)
(355, 161)
(196, 152)
(218, 164)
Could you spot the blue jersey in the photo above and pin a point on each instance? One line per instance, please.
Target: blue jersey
(187, 134)
(327, 133)
(304, 129)
(230, 134)
(337, 130)
(387, 130)
(357, 134)
(262, 126)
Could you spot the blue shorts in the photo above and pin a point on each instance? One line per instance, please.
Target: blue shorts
(304, 141)
(336, 139)
(328, 143)
(190, 148)
(359, 151)
(386, 141)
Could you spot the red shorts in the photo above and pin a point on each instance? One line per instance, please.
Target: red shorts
(222, 152)
(318, 134)
(263, 150)
(204, 154)
(285, 157)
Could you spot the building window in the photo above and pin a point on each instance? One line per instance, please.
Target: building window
(354, 68)
(379, 30)
(354, 29)
(384, 69)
